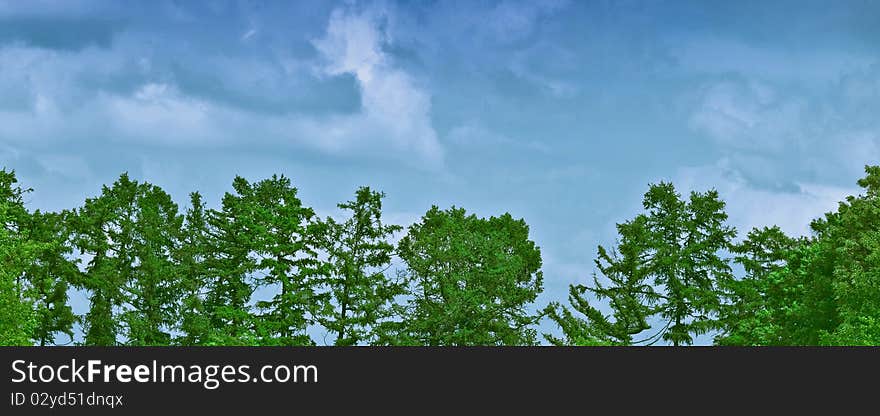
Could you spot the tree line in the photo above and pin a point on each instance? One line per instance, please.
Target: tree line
(263, 268)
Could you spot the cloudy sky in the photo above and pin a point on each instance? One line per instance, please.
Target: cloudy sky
(557, 112)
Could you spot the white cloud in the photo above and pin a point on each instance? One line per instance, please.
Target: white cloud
(49, 102)
(392, 105)
(779, 133)
(155, 113)
(156, 107)
(749, 206)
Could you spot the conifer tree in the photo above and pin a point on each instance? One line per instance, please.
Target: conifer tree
(816, 291)
(191, 258)
(359, 253)
(263, 235)
(153, 293)
(129, 231)
(753, 307)
(228, 268)
(287, 260)
(630, 294)
(850, 239)
(671, 269)
(50, 275)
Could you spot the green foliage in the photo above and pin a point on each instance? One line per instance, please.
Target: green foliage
(129, 231)
(265, 235)
(359, 253)
(17, 318)
(263, 269)
(191, 258)
(849, 240)
(818, 291)
(668, 264)
(630, 295)
(755, 306)
(786, 296)
(472, 280)
(281, 230)
(49, 276)
(227, 268)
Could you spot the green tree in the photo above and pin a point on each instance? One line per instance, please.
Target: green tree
(130, 232)
(17, 319)
(848, 242)
(754, 307)
(49, 276)
(359, 252)
(287, 259)
(192, 260)
(472, 281)
(264, 232)
(229, 265)
(806, 299)
(154, 292)
(630, 294)
(669, 267)
(816, 291)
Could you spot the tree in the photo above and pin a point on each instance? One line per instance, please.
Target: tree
(816, 291)
(471, 281)
(17, 319)
(191, 258)
(806, 300)
(130, 232)
(264, 231)
(359, 251)
(286, 248)
(228, 267)
(670, 268)
(848, 242)
(49, 276)
(154, 291)
(754, 310)
(630, 295)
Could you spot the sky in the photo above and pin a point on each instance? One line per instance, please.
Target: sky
(559, 112)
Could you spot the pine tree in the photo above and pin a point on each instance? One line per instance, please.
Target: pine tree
(263, 232)
(359, 252)
(671, 269)
(287, 259)
(129, 231)
(191, 258)
(630, 294)
(50, 275)
(816, 291)
(154, 289)
(228, 267)
(753, 306)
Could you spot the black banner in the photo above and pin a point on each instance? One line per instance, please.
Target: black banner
(331, 380)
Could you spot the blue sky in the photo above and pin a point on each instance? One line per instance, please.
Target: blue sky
(558, 112)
